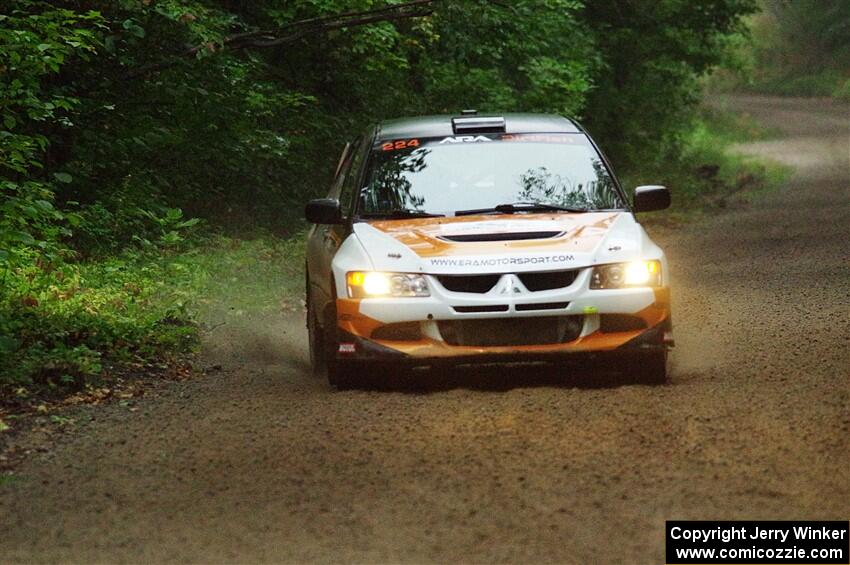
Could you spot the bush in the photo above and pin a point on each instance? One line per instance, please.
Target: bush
(67, 324)
(799, 48)
(705, 174)
(842, 91)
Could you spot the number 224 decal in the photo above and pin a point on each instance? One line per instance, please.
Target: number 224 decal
(400, 144)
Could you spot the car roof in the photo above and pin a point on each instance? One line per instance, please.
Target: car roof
(441, 125)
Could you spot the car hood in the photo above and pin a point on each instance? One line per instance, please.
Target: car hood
(501, 243)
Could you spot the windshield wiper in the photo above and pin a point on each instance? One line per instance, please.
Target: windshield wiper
(520, 207)
(400, 213)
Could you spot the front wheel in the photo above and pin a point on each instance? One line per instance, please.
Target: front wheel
(323, 352)
(316, 340)
(343, 374)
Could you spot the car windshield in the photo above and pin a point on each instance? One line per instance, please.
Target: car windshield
(481, 172)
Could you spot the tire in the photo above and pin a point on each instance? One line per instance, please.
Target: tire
(343, 374)
(647, 368)
(316, 339)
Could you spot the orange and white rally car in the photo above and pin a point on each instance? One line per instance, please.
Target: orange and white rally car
(483, 239)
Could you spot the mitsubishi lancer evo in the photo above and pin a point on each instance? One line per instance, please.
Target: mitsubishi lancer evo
(483, 239)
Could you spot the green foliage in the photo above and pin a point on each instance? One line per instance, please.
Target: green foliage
(814, 30)
(63, 325)
(799, 48)
(169, 227)
(36, 41)
(653, 52)
(529, 55)
(708, 173)
(842, 91)
(232, 134)
(262, 275)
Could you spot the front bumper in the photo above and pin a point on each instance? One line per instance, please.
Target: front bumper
(428, 336)
(365, 350)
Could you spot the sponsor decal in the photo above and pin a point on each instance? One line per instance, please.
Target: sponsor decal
(347, 348)
(541, 138)
(399, 144)
(485, 261)
(465, 139)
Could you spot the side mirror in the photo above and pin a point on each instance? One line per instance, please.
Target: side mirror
(323, 211)
(651, 197)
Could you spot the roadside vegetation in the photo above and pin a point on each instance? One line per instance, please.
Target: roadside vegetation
(707, 175)
(799, 48)
(155, 155)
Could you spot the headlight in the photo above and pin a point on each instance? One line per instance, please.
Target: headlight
(371, 284)
(619, 275)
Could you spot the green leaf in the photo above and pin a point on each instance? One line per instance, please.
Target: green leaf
(22, 237)
(133, 28)
(8, 344)
(188, 223)
(63, 177)
(75, 220)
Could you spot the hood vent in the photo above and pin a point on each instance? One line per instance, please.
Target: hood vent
(501, 236)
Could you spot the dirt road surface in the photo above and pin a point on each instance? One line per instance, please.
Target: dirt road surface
(262, 462)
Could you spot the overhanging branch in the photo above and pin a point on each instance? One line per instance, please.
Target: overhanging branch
(298, 30)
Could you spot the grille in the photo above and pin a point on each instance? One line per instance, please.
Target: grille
(534, 282)
(511, 331)
(542, 306)
(404, 331)
(515, 236)
(612, 323)
(487, 308)
(478, 284)
(547, 281)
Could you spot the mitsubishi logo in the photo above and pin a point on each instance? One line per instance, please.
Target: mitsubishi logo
(510, 285)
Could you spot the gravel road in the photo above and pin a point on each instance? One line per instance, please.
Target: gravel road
(261, 462)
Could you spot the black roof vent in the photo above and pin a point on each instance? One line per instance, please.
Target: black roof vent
(478, 124)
